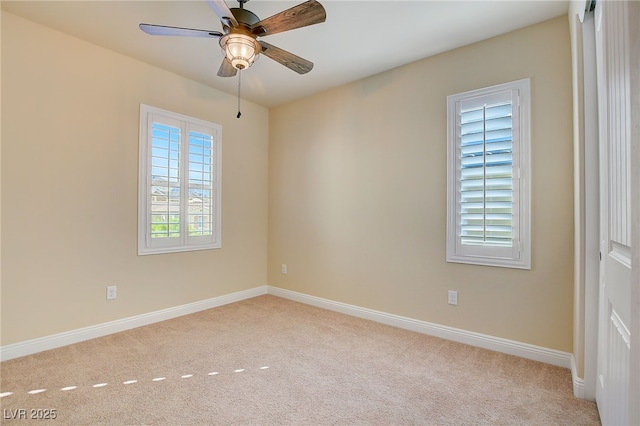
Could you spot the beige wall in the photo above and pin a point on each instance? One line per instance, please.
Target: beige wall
(356, 190)
(69, 187)
(357, 193)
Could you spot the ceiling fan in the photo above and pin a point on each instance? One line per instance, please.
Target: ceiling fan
(241, 29)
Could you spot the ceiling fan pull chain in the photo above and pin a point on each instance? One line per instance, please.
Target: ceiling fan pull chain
(239, 84)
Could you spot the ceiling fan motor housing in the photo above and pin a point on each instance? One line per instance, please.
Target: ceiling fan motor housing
(239, 44)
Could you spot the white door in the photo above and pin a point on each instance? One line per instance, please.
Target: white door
(612, 56)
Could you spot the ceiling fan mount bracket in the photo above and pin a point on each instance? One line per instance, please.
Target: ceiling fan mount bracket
(245, 19)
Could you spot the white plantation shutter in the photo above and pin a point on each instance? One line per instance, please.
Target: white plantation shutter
(202, 185)
(486, 174)
(163, 184)
(179, 196)
(488, 193)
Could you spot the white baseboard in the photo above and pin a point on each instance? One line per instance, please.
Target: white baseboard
(578, 383)
(29, 347)
(524, 350)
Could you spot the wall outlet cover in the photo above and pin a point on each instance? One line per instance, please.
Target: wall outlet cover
(112, 292)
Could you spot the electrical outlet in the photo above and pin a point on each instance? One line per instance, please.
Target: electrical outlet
(111, 292)
(453, 297)
(284, 268)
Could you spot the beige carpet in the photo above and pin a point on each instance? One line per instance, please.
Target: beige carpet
(271, 361)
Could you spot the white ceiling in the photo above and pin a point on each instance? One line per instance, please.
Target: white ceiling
(359, 38)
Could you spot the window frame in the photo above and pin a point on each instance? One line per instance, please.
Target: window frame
(187, 125)
(519, 254)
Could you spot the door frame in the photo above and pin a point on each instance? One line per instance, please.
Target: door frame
(587, 217)
(634, 63)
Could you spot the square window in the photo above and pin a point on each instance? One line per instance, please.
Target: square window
(180, 171)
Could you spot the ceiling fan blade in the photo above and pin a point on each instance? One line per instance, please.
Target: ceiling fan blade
(221, 9)
(308, 13)
(289, 60)
(163, 30)
(226, 69)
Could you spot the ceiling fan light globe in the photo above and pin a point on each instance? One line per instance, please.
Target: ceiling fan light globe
(241, 50)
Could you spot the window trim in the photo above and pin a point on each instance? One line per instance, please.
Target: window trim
(520, 255)
(185, 242)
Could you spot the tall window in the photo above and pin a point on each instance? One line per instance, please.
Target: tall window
(179, 193)
(488, 207)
